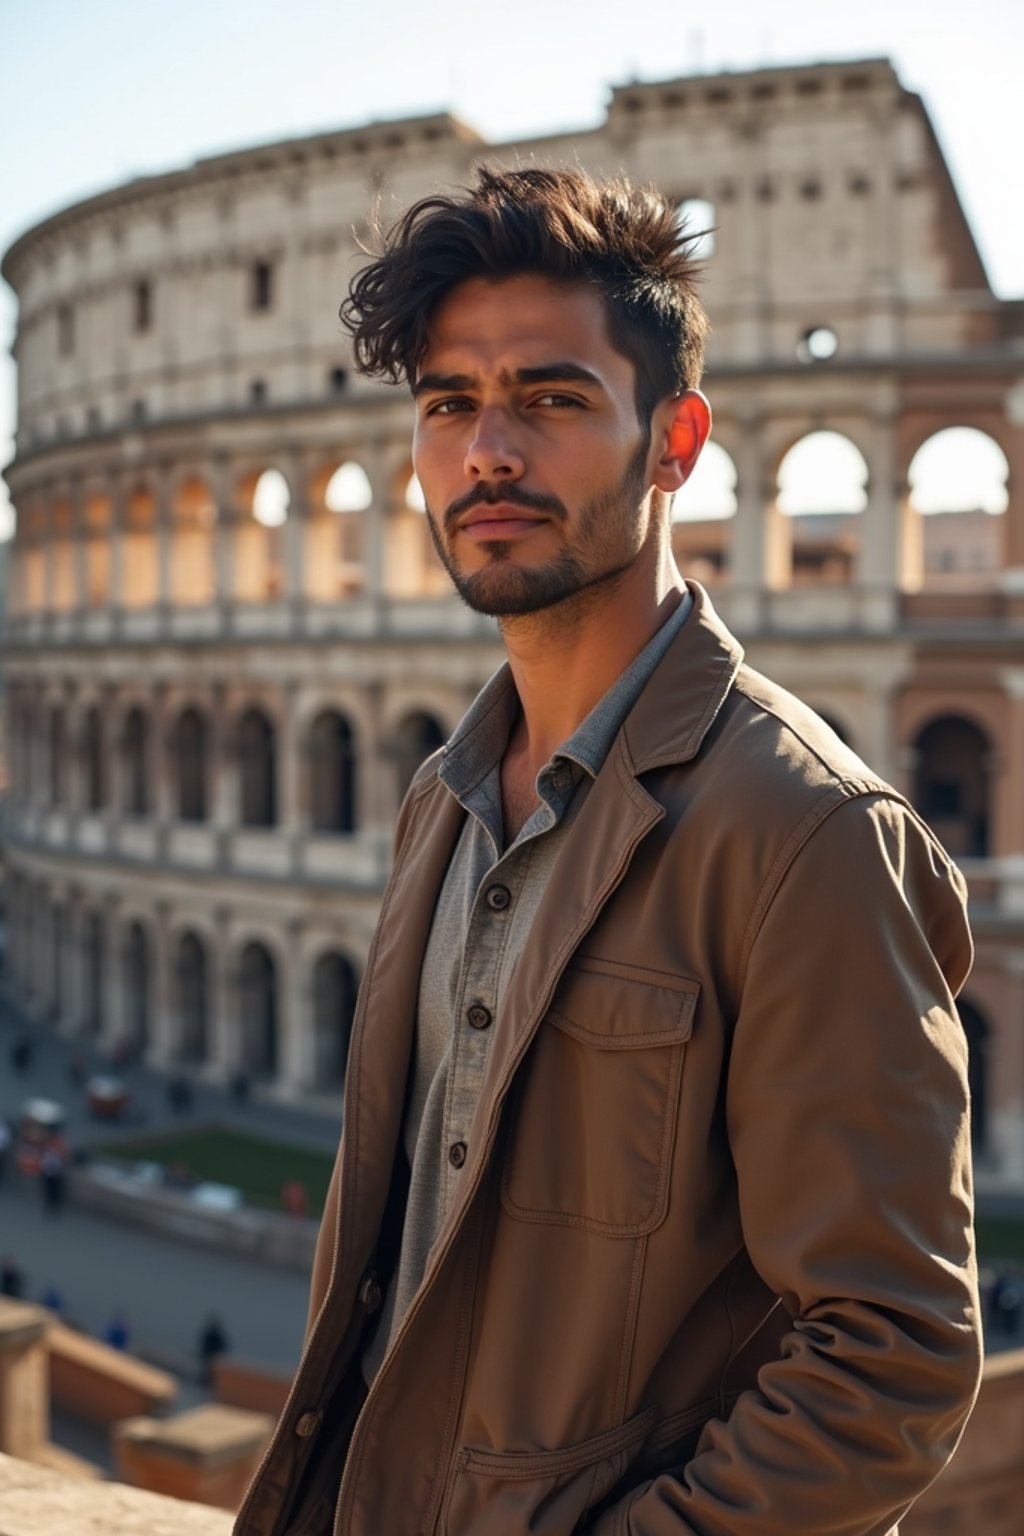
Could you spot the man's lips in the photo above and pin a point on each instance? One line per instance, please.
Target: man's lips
(503, 521)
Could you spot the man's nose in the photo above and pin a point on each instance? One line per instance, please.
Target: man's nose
(493, 452)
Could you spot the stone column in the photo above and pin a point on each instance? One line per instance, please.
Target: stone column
(162, 1036)
(79, 535)
(49, 553)
(116, 493)
(224, 1045)
(220, 477)
(883, 554)
(24, 1380)
(296, 1061)
(288, 768)
(295, 538)
(748, 531)
(382, 460)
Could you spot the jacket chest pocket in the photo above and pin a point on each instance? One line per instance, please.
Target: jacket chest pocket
(594, 1123)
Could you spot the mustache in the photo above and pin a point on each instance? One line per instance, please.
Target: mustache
(491, 495)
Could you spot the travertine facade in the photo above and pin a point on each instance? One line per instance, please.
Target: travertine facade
(224, 658)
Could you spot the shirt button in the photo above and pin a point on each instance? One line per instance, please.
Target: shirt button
(307, 1425)
(457, 1154)
(498, 897)
(478, 1016)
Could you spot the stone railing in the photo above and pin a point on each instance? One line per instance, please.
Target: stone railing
(35, 1501)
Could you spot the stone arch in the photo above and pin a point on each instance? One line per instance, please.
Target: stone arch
(256, 758)
(335, 533)
(258, 1010)
(57, 759)
(190, 751)
(62, 548)
(94, 764)
(332, 769)
(96, 528)
(193, 576)
(979, 1038)
(334, 984)
(412, 567)
(952, 783)
(958, 486)
(136, 985)
(94, 967)
(822, 493)
(139, 567)
(264, 502)
(136, 772)
(190, 978)
(701, 514)
(416, 736)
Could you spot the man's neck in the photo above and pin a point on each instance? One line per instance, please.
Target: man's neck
(564, 662)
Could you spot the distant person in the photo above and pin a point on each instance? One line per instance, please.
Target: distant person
(5, 1147)
(52, 1178)
(53, 1300)
(213, 1342)
(12, 1279)
(117, 1333)
(240, 1086)
(77, 1065)
(179, 1093)
(22, 1052)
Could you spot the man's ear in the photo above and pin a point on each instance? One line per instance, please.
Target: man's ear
(684, 431)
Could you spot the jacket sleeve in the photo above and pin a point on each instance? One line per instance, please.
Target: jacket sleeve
(848, 1120)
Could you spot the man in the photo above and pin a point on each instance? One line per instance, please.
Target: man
(652, 1210)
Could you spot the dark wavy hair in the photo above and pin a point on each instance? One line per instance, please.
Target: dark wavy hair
(560, 223)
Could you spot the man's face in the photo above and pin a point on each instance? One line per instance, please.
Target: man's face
(533, 463)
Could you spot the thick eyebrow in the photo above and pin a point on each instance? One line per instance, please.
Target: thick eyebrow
(544, 373)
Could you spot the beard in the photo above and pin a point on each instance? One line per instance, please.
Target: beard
(598, 557)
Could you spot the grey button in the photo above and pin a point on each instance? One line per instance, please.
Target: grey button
(479, 1016)
(498, 897)
(307, 1425)
(457, 1154)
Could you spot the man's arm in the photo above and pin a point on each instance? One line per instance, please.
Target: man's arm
(847, 1113)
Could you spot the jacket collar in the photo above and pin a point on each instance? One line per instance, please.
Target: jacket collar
(674, 713)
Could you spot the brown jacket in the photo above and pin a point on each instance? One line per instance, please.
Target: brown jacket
(711, 1270)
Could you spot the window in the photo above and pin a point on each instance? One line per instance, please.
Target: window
(257, 762)
(817, 345)
(696, 220)
(142, 306)
(261, 286)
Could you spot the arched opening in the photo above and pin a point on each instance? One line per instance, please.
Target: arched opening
(57, 755)
(193, 557)
(696, 220)
(191, 764)
(135, 796)
(978, 1036)
(258, 544)
(257, 767)
(139, 577)
(332, 773)
(413, 568)
(191, 988)
(335, 532)
(258, 1003)
(63, 556)
(822, 491)
(97, 551)
(94, 979)
(334, 1002)
(135, 973)
(952, 784)
(33, 534)
(94, 762)
(701, 513)
(958, 483)
(417, 736)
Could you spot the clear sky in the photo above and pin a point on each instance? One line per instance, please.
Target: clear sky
(93, 92)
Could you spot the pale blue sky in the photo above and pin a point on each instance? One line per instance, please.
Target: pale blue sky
(93, 92)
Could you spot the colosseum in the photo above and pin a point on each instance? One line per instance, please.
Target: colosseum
(228, 643)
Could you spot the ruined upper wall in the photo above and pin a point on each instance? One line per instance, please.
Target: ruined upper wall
(831, 202)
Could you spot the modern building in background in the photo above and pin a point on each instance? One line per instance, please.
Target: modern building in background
(228, 643)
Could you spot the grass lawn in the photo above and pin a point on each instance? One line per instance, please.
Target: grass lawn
(258, 1168)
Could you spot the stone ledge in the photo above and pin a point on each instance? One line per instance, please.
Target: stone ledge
(36, 1502)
